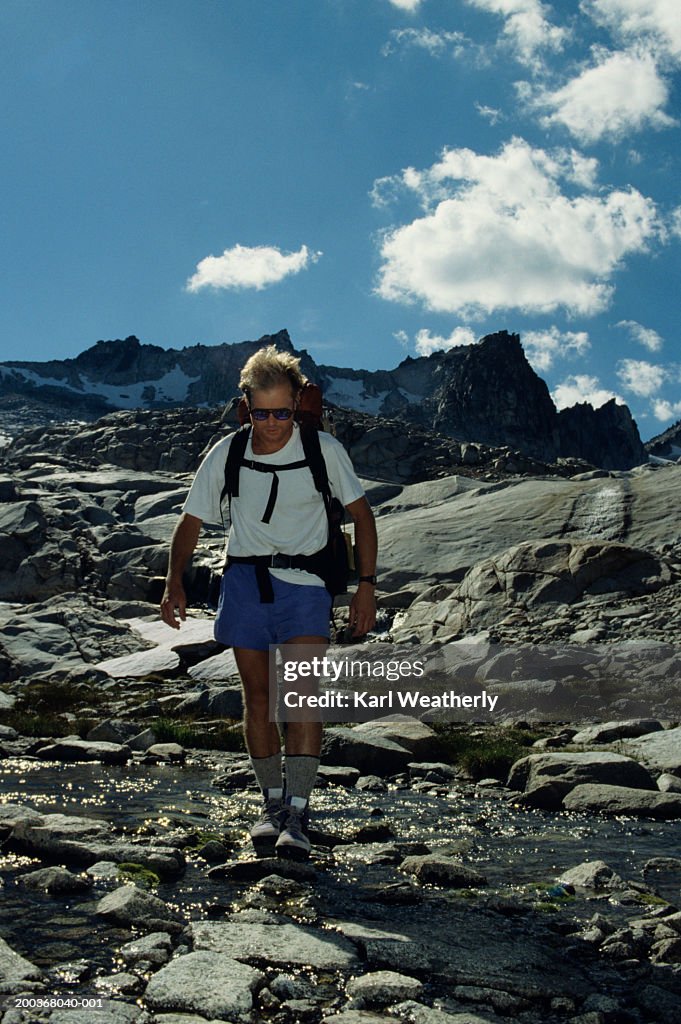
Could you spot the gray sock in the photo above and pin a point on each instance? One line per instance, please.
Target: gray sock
(268, 772)
(301, 775)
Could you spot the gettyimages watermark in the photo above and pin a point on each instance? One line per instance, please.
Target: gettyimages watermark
(475, 682)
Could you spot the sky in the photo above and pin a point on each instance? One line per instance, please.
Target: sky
(383, 178)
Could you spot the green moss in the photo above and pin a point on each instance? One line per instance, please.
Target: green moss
(144, 878)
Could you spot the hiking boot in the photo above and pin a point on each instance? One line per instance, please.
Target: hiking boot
(293, 842)
(265, 831)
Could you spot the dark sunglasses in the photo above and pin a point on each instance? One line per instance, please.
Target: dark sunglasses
(279, 414)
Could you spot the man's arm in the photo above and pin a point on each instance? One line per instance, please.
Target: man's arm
(182, 546)
(363, 603)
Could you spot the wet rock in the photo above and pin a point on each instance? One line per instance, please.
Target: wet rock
(372, 754)
(416, 1013)
(255, 870)
(601, 799)
(381, 988)
(155, 948)
(547, 778)
(371, 784)
(128, 905)
(113, 1012)
(55, 880)
(171, 752)
(73, 750)
(278, 944)
(204, 982)
(338, 775)
(15, 969)
(437, 869)
(595, 874)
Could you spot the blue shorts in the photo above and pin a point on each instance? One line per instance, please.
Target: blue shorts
(243, 620)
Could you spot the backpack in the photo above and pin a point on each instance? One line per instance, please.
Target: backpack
(334, 561)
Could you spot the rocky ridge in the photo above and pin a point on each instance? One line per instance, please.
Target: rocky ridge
(485, 393)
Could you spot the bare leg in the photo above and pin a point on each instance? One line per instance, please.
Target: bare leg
(261, 734)
(305, 738)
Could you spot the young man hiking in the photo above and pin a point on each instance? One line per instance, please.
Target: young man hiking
(261, 605)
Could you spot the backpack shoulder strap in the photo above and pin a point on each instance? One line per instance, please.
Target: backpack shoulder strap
(235, 456)
(313, 453)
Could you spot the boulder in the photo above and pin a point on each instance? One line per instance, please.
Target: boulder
(617, 800)
(283, 944)
(372, 754)
(609, 732)
(204, 982)
(660, 751)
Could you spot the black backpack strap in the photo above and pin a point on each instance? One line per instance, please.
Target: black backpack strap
(235, 455)
(313, 454)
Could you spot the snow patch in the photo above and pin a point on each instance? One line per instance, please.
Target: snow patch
(172, 387)
(351, 394)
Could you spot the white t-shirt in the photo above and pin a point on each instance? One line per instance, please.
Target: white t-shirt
(298, 525)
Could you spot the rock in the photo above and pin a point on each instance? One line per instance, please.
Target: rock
(113, 730)
(660, 750)
(564, 771)
(372, 754)
(279, 944)
(337, 775)
(416, 1013)
(594, 874)
(602, 799)
(438, 869)
(113, 1012)
(667, 783)
(381, 988)
(371, 784)
(14, 968)
(609, 732)
(204, 982)
(156, 948)
(415, 736)
(172, 752)
(70, 749)
(128, 905)
(55, 880)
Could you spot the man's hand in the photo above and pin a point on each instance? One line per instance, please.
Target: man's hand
(363, 609)
(174, 598)
(182, 545)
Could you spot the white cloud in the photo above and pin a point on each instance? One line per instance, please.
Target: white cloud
(582, 388)
(490, 114)
(544, 347)
(666, 410)
(526, 27)
(426, 343)
(435, 43)
(402, 338)
(621, 93)
(657, 21)
(498, 234)
(640, 377)
(645, 336)
(244, 267)
(675, 222)
(406, 5)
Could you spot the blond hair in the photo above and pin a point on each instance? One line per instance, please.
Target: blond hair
(267, 368)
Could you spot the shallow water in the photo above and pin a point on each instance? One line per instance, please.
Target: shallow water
(520, 852)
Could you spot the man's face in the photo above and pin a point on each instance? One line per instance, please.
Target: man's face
(272, 434)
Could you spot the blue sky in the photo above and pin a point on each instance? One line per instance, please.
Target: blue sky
(381, 177)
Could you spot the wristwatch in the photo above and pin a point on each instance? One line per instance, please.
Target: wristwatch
(368, 579)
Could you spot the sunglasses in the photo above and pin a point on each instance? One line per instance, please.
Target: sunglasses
(279, 414)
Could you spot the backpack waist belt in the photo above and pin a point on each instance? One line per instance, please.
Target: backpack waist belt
(263, 563)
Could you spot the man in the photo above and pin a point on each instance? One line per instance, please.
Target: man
(291, 606)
